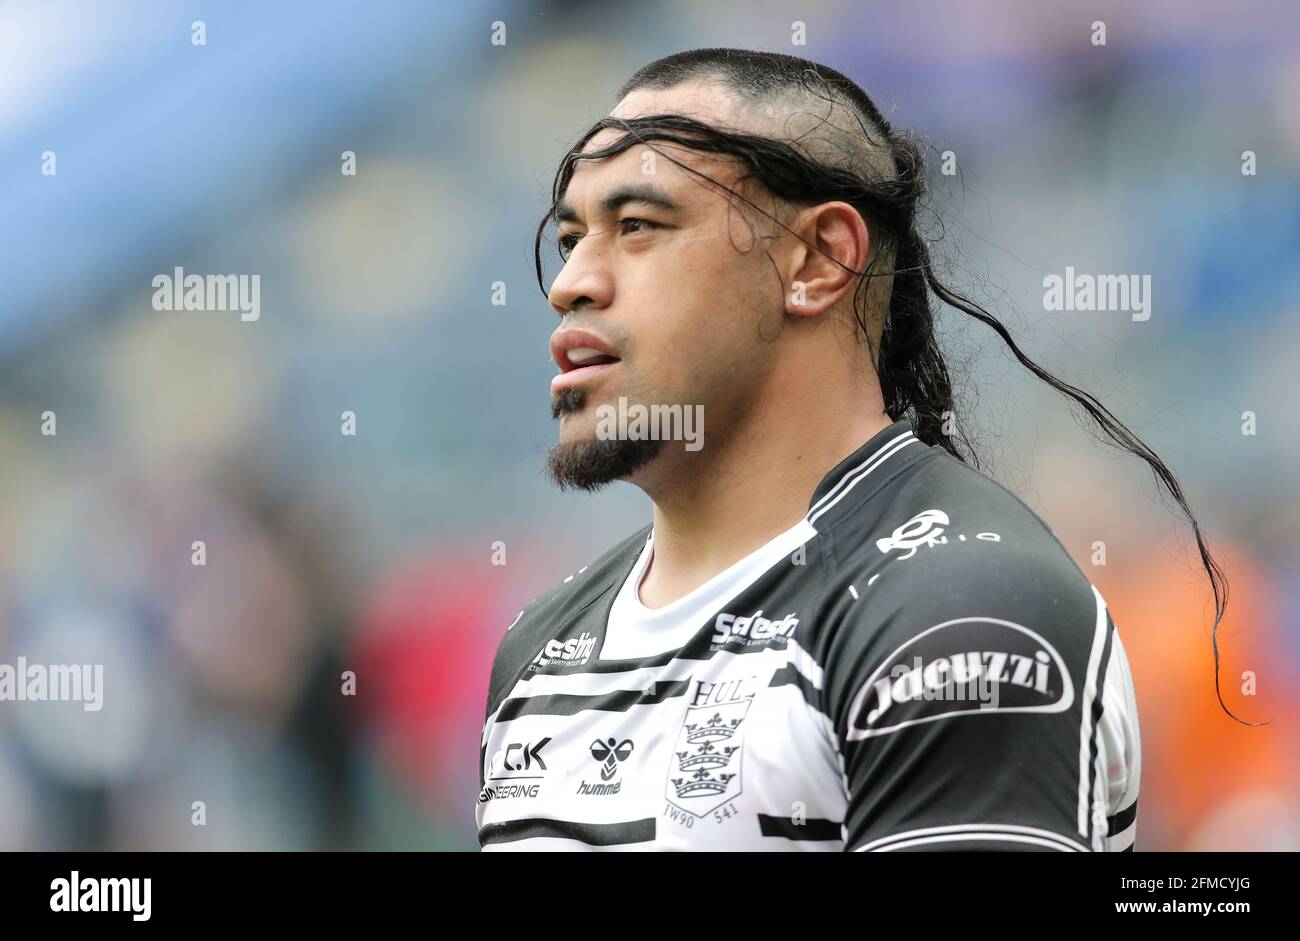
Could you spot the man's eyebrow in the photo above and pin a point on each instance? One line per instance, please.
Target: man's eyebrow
(646, 193)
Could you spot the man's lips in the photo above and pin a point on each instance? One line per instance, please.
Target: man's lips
(580, 356)
(577, 376)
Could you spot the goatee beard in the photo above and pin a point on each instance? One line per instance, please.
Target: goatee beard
(590, 465)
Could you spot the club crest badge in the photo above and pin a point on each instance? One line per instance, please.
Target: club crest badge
(705, 769)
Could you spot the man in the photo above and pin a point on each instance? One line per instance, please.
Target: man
(834, 634)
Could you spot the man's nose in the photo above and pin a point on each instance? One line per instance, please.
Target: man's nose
(583, 281)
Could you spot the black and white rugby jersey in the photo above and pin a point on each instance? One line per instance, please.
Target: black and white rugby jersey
(916, 664)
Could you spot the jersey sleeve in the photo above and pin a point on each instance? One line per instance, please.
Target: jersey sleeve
(1120, 750)
(980, 699)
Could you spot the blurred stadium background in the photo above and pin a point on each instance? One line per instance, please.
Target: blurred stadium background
(373, 553)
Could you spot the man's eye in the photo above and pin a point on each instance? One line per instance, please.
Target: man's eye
(567, 243)
(630, 221)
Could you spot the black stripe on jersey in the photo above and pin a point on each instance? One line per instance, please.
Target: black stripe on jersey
(592, 834)
(1122, 820)
(1097, 707)
(698, 649)
(789, 675)
(570, 704)
(812, 829)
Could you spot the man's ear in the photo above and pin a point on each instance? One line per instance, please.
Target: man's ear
(824, 266)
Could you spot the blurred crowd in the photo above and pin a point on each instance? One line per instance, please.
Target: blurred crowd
(319, 681)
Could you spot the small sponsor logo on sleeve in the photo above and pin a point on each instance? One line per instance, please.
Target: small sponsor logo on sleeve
(926, 530)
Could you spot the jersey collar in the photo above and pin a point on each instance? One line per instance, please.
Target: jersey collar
(846, 475)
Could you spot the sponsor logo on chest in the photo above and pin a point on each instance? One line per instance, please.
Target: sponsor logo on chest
(515, 770)
(754, 630)
(571, 652)
(610, 754)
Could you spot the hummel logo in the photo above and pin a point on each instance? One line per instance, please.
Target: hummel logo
(610, 753)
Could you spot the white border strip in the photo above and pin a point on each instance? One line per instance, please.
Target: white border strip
(973, 831)
(853, 477)
(1085, 707)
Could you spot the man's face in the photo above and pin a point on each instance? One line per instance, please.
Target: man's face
(678, 298)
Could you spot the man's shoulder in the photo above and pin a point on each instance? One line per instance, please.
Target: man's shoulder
(948, 563)
(591, 580)
(549, 613)
(945, 540)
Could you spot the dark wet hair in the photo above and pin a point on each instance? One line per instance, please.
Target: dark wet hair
(885, 180)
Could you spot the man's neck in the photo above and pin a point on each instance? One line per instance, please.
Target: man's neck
(741, 497)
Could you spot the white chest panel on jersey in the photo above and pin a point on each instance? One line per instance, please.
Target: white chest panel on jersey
(688, 754)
